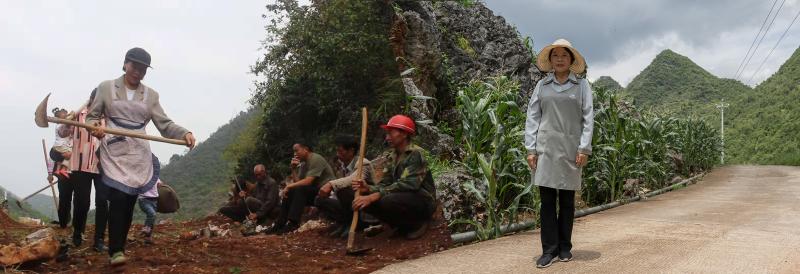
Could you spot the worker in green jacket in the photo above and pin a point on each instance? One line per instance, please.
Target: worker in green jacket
(405, 198)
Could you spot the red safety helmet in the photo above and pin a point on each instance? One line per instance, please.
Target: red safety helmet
(401, 122)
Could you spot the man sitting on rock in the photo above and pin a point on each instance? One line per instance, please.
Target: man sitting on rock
(309, 171)
(405, 198)
(258, 203)
(339, 208)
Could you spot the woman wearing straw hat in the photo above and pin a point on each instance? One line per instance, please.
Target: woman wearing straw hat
(558, 137)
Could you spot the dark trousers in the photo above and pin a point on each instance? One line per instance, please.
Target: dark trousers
(81, 184)
(296, 200)
(65, 189)
(100, 210)
(556, 229)
(340, 210)
(402, 210)
(120, 215)
(78, 185)
(239, 211)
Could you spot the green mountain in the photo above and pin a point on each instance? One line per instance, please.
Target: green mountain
(761, 124)
(606, 83)
(764, 124)
(200, 177)
(26, 211)
(673, 84)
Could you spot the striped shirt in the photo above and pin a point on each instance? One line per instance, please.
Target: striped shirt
(84, 147)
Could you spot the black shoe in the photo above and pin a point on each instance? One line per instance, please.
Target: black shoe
(345, 233)
(545, 261)
(373, 231)
(274, 229)
(63, 251)
(337, 231)
(565, 256)
(77, 239)
(99, 247)
(292, 226)
(418, 232)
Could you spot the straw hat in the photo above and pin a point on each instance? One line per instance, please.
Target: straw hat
(543, 60)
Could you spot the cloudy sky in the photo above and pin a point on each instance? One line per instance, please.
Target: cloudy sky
(202, 51)
(620, 37)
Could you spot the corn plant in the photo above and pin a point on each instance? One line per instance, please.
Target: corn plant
(627, 144)
(492, 133)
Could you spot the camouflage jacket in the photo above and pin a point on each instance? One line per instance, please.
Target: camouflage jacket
(407, 172)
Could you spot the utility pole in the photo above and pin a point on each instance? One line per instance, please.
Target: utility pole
(721, 106)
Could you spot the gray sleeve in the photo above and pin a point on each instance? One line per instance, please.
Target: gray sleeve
(98, 107)
(587, 108)
(163, 123)
(347, 181)
(534, 117)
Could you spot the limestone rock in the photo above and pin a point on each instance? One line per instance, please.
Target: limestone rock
(38, 246)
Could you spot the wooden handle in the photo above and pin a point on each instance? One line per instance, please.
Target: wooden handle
(351, 237)
(49, 182)
(115, 131)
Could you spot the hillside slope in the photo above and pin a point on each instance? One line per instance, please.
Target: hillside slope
(200, 177)
(764, 125)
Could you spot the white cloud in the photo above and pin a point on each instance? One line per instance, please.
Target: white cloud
(620, 37)
(201, 52)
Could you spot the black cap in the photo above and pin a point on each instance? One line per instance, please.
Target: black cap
(138, 55)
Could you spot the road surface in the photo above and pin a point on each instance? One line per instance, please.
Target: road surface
(738, 219)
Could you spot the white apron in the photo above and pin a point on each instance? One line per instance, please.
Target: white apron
(127, 163)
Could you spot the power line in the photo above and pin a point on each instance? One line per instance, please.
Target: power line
(762, 38)
(774, 47)
(755, 38)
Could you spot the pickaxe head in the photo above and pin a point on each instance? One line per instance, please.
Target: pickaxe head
(41, 113)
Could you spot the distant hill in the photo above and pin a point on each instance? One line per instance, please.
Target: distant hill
(44, 204)
(761, 124)
(201, 176)
(27, 211)
(606, 83)
(765, 124)
(674, 84)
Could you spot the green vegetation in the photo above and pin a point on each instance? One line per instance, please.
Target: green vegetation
(627, 145)
(322, 63)
(26, 211)
(630, 145)
(464, 45)
(201, 176)
(492, 133)
(674, 85)
(606, 83)
(761, 124)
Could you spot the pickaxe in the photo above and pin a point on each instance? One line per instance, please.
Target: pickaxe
(351, 236)
(42, 120)
(19, 202)
(53, 189)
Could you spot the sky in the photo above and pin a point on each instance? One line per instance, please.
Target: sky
(202, 51)
(619, 38)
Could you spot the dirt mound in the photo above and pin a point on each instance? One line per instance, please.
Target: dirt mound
(6, 222)
(306, 252)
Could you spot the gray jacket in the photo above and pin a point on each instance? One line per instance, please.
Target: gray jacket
(104, 97)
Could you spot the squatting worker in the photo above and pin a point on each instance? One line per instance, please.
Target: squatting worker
(128, 166)
(405, 198)
(558, 137)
